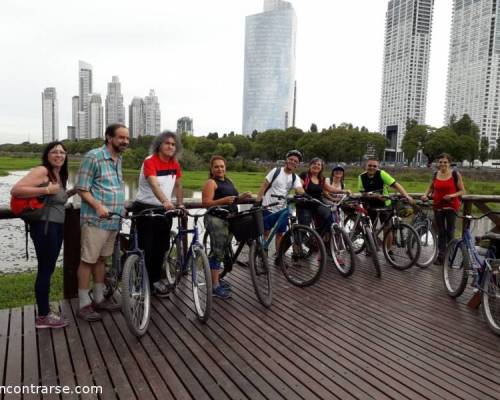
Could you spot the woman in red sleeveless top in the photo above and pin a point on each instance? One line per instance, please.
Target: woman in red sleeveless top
(446, 188)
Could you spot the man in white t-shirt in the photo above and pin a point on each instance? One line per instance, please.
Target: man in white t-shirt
(279, 181)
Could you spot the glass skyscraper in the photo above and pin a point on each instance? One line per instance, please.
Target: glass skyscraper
(269, 75)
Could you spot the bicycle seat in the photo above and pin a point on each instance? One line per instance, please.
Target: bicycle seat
(379, 210)
(490, 235)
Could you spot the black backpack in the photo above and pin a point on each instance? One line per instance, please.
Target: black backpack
(454, 173)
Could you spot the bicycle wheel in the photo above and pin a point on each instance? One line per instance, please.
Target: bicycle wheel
(428, 245)
(113, 269)
(456, 268)
(171, 266)
(201, 283)
(301, 255)
(491, 299)
(402, 248)
(372, 248)
(136, 295)
(260, 273)
(342, 251)
(355, 234)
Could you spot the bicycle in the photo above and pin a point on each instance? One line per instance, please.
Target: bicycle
(295, 253)
(341, 248)
(423, 225)
(462, 259)
(178, 263)
(248, 230)
(135, 290)
(400, 243)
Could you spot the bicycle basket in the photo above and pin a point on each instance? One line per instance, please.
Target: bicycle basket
(405, 211)
(247, 224)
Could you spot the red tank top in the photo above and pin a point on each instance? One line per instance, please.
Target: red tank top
(442, 188)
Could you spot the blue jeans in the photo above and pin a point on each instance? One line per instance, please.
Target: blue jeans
(271, 218)
(47, 247)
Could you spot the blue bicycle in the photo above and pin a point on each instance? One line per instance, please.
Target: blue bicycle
(464, 259)
(194, 263)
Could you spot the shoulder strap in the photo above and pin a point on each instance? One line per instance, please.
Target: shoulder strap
(454, 173)
(275, 175)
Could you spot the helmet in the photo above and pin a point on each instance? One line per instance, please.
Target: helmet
(295, 153)
(338, 168)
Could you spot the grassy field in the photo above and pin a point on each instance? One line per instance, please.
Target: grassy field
(19, 289)
(16, 163)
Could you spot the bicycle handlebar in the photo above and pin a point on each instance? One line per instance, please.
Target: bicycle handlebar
(471, 217)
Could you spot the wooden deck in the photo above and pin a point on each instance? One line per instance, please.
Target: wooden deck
(399, 337)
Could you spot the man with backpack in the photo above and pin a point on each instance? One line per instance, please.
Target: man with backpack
(446, 189)
(279, 181)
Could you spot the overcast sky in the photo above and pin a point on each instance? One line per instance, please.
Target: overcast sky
(191, 53)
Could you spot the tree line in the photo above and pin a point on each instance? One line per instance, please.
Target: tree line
(460, 138)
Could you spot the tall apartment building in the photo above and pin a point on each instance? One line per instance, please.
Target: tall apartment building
(269, 75)
(152, 115)
(115, 111)
(185, 124)
(85, 90)
(406, 68)
(50, 115)
(95, 117)
(474, 65)
(136, 117)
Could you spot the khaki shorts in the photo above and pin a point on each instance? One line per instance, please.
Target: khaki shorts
(95, 243)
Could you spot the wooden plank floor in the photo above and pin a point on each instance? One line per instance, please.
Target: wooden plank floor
(398, 337)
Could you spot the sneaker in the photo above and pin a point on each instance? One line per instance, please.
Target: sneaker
(225, 285)
(221, 293)
(160, 289)
(107, 305)
(89, 314)
(51, 320)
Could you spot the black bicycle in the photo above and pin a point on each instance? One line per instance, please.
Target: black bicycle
(423, 225)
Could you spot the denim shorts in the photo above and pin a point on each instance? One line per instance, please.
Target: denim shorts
(271, 218)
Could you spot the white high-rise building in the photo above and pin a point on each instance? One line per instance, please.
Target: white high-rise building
(185, 124)
(152, 115)
(269, 75)
(85, 89)
(136, 117)
(95, 117)
(115, 112)
(406, 68)
(50, 115)
(474, 65)
(75, 107)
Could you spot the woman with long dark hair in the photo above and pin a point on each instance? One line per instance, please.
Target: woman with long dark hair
(47, 181)
(219, 191)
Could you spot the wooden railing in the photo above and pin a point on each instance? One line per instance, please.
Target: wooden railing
(71, 258)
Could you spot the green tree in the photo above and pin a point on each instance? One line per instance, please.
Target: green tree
(313, 128)
(414, 140)
(442, 140)
(484, 150)
(465, 126)
(226, 150)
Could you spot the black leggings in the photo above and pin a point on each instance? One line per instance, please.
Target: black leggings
(445, 221)
(154, 240)
(47, 248)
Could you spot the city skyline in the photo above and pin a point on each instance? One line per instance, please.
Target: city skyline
(338, 64)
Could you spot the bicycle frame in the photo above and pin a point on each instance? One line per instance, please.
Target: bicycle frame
(183, 233)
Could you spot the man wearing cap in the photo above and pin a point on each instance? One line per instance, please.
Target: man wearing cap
(279, 181)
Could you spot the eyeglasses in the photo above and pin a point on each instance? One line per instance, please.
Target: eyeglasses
(372, 166)
(63, 153)
(293, 160)
(170, 143)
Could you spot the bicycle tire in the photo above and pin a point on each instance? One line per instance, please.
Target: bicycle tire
(260, 273)
(455, 289)
(370, 246)
(408, 243)
(171, 266)
(201, 283)
(490, 300)
(136, 316)
(428, 243)
(342, 251)
(355, 235)
(112, 277)
(306, 272)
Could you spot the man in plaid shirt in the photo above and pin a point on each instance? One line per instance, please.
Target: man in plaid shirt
(100, 185)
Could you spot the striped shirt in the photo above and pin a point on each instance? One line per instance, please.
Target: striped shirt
(100, 175)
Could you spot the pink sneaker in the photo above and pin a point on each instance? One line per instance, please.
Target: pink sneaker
(51, 320)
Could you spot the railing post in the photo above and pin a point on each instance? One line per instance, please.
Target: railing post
(71, 252)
